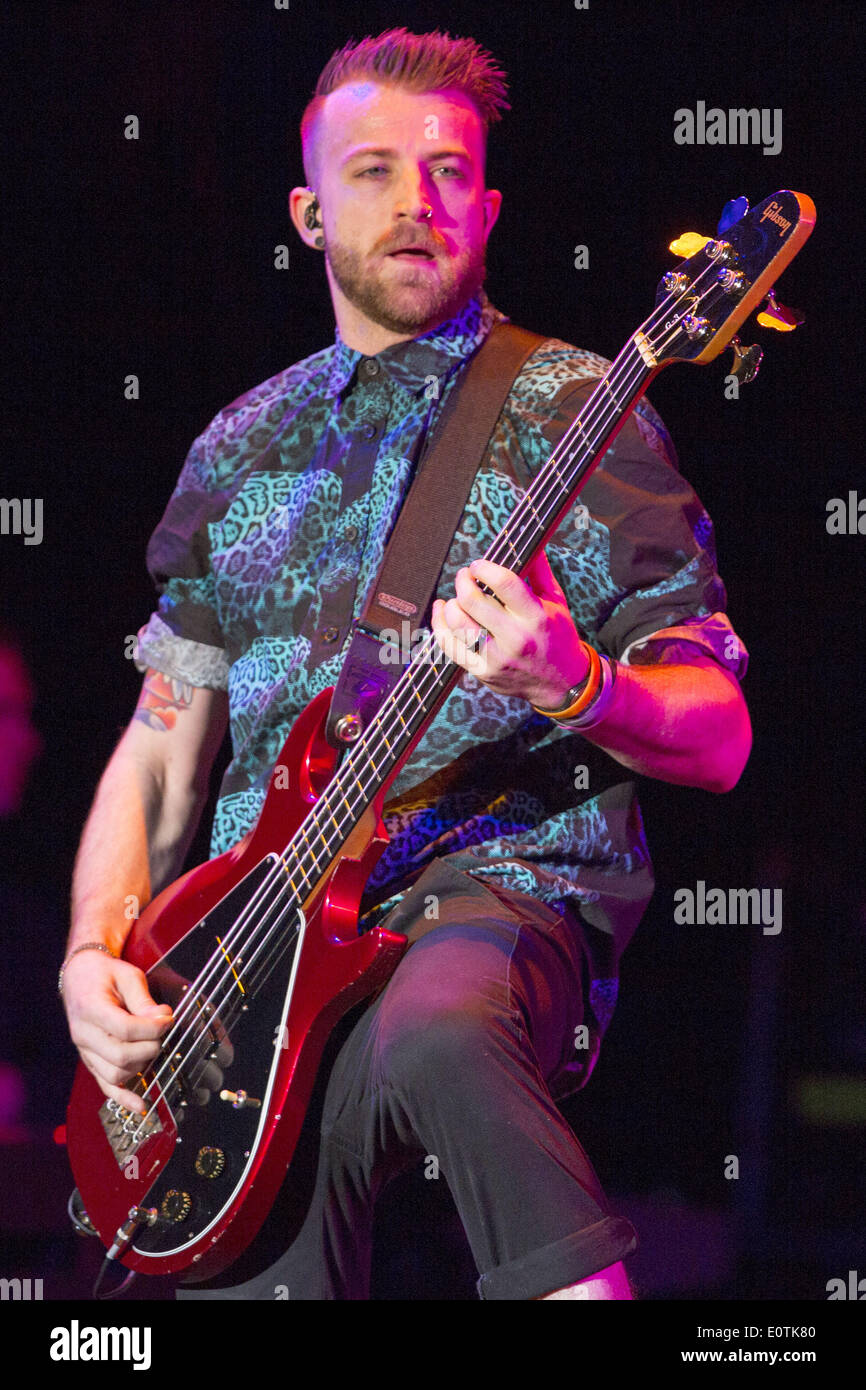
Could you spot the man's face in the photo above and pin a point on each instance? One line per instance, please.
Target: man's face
(383, 157)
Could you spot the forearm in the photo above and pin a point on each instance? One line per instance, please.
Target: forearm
(686, 724)
(133, 844)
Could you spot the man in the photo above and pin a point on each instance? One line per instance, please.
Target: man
(266, 553)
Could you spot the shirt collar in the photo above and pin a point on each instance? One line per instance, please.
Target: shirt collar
(436, 354)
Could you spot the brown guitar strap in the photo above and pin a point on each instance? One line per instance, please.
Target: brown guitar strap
(418, 547)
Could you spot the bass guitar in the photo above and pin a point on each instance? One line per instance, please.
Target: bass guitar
(258, 951)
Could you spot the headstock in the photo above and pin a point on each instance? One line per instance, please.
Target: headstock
(701, 304)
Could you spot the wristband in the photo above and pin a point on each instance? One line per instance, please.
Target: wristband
(579, 696)
(598, 708)
(88, 946)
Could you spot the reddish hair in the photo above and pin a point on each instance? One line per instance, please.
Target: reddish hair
(417, 62)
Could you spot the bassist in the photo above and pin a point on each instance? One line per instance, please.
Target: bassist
(517, 862)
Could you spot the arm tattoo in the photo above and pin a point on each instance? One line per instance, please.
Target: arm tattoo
(161, 700)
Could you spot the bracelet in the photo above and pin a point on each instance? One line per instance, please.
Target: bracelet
(88, 946)
(596, 711)
(579, 696)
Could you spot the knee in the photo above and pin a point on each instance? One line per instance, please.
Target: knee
(445, 1046)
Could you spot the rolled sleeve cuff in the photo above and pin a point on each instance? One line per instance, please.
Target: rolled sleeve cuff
(195, 663)
(713, 635)
(565, 1262)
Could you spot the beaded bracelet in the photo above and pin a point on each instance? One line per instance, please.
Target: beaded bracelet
(87, 946)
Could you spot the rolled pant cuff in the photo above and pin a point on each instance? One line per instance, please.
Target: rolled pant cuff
(565, 1262)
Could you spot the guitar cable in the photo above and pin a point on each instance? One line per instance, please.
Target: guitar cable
(112, 1293)
(85, 1227)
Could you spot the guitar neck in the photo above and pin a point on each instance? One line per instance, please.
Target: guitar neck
(553, 491)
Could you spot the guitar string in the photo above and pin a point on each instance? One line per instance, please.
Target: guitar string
(614, 376)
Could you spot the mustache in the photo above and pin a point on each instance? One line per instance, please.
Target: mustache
(415, 238)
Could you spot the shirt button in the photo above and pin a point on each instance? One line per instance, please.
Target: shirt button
(350, 533)
(330, 634)
(369, 431)
(369, 366)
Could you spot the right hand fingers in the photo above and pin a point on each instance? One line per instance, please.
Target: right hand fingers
(131, 984)
(96, 1064)
(113, 995)
(120, 1059)
(113, 1021)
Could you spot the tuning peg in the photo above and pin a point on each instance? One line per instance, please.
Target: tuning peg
(747, 361)
(778, 316)
(731, 213)
(689, 244)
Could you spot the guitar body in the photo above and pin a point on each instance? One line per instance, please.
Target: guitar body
(210, 1171)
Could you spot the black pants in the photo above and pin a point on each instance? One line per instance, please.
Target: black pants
(452, 1064)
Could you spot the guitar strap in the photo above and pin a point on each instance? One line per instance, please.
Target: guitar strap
(451, 455)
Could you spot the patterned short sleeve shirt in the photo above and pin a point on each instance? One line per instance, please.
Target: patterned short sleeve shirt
(274, 536)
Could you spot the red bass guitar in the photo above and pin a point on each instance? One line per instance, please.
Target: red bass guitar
(258, 951)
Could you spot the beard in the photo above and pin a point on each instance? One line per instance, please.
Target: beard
(418, 302)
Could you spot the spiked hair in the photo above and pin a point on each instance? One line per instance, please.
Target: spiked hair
(417, 62)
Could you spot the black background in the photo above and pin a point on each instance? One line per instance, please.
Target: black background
(156, 257)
